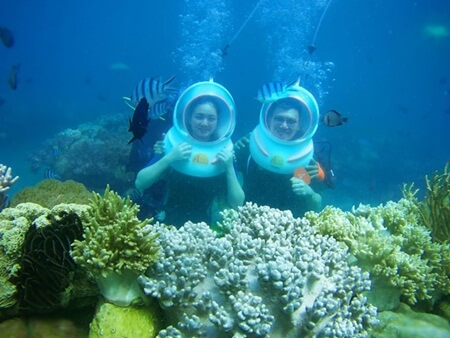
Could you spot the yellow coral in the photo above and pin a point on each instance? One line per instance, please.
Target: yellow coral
(114, 238)
(49, 193)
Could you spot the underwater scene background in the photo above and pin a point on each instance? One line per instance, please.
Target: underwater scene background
(384, 65)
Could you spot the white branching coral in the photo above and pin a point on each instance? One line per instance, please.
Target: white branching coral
(269, 274)
(6, 181)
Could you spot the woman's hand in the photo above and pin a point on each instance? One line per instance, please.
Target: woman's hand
(225, 156)
(180, 152)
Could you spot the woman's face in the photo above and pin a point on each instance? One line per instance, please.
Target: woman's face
(203, 121)
(284, 124)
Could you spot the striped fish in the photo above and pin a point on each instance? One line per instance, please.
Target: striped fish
(152, 89)
(270, 92)
(274, 90)
(158, 110)
(51, 174)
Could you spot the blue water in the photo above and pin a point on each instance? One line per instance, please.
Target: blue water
(376, 62)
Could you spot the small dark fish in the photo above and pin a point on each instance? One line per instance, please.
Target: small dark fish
(50, 174)
(152, 89)
(6, 37)
(13, 79)
(333, 118)
(139, 122)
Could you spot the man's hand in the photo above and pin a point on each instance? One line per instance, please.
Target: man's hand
(242, 142)
(300, 188)
(315, 171)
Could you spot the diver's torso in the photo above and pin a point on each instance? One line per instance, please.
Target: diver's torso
(190, 198)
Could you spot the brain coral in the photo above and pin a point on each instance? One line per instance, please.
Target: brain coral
(50, 192)
(269, 274)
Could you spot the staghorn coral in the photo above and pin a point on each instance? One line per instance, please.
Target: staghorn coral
(435, 207)
(6, 181)
(268, 275)
(50, 192)
(115, 247)
(389, 242)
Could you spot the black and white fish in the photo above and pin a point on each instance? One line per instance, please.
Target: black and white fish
(333, 118)
(274, 91)
(139, 122)
(51, 174)
(152, 89)
(158, 110)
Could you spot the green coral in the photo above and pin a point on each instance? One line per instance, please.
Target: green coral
(116, 246)
(390, 242)
(50, 192)
(435, 208)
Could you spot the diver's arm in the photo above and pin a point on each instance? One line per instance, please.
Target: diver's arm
(149, 175)
(312, 199)
(235, 194)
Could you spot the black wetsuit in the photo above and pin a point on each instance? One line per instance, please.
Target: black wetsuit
(191, 198)
(264, 187)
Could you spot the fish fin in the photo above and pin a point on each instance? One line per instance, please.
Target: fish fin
(345, 119)
(169, 80)
(295, 83)
(132, 140)
(125, 100)
(335, 111)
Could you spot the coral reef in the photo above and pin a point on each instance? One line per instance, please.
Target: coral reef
(114, 321)
(47, 267)
(50, 192)
(406, 323)
(95, 154)
(268, 274)
(390, 242)
(116, 247)
(34, 245)
(435, 207)
(6, 181)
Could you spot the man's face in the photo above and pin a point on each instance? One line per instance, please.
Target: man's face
(284, 124)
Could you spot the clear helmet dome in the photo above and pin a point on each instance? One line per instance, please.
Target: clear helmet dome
(205, 113)
(291, 119)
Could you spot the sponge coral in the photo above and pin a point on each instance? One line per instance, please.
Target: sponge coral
(390, 243)
(50, 192)
(269, 274)
(115, 247)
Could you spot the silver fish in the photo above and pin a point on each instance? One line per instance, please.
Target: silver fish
(333, 118)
